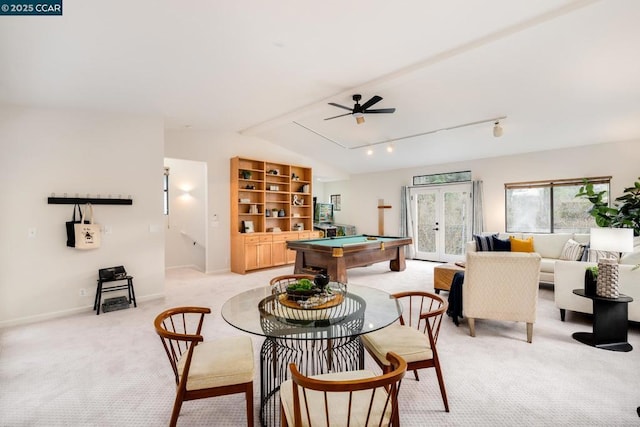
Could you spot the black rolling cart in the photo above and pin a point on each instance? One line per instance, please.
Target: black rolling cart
(114, 274)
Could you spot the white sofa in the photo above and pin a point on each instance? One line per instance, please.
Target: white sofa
(569, 275)
(549, 246)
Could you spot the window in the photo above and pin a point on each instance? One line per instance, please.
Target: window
(550, 206)
(442, 178)
(166, 190)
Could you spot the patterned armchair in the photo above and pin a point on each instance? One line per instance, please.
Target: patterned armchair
(501, 286)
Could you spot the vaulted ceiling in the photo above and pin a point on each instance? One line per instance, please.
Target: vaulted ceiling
(564, 73)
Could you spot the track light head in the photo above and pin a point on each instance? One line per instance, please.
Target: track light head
(497, 129)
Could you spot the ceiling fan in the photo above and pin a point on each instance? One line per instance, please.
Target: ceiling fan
(358, 111)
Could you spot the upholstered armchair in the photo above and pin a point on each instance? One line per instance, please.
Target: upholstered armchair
(501, 286)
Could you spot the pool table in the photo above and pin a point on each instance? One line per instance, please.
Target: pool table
(336, 254)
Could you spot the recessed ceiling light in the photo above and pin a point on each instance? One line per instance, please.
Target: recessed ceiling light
(369, 152)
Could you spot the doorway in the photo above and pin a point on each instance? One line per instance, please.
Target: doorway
(443, 222)
(185, 220)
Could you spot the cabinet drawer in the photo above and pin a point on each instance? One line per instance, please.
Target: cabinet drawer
(285, 237)
(265, 239)
(251, 239)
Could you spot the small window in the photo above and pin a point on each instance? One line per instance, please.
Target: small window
(166, 190)
(550, 206)
(442, 178)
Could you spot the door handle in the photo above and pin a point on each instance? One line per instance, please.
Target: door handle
(435, 229)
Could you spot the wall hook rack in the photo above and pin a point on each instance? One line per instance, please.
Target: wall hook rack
(64, 199)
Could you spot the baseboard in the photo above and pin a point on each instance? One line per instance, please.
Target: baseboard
(64, 313)
(191, 266)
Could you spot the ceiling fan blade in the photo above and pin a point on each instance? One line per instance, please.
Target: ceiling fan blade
(381, 110)
(370, 102)
(340, 106)
(341, 115)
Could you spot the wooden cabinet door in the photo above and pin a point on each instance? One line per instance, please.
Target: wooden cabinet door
(251, 259)
(279, 252)
(264, 255)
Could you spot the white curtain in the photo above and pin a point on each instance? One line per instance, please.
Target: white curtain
(406, 221)
(478, 216)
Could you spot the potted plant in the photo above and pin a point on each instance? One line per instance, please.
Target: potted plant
(625, 212)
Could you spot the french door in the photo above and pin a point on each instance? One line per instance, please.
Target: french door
(442, 221)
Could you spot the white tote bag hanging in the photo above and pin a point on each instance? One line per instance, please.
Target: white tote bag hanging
(87, 235)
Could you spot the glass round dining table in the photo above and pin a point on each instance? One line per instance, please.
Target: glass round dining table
(318, 340)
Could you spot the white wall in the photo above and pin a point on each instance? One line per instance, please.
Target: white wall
(186, 222)
(360, 193)
(216, 150)
(55, 150)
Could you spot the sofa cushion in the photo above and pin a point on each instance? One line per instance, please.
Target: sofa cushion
(484, 242)
(500, 245)
(550, 245)
(547, 265)
(582, 238)
(595, 255)
(572, 251)
(632, 258)
(521, 245)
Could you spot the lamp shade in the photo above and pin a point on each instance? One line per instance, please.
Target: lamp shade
(612, 239)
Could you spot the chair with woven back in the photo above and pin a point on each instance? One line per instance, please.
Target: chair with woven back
(358, 398)
(204, 368)
(414, 338)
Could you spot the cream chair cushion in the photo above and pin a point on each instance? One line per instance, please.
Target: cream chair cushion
(337, 402)
(221, 362)
(407, 342)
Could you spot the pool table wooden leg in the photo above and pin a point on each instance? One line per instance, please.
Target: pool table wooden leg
(337, 270)
(398, 263)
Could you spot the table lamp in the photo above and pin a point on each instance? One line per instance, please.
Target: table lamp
(610, 240)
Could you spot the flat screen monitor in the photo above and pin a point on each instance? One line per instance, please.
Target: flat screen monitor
(323, 213)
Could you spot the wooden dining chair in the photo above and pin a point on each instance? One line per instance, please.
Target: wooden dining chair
(279, 284)
(358, 398)
(414, 338)
(204, 369)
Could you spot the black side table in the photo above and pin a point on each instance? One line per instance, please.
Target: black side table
(610, 323)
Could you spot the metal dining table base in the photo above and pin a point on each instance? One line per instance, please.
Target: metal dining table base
(312, 356)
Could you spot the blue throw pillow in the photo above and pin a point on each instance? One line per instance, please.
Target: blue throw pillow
(484, 243)
(500, 245)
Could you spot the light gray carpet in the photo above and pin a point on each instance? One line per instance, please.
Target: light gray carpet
(111, 370)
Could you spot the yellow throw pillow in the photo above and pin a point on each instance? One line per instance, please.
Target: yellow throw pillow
(521, 245)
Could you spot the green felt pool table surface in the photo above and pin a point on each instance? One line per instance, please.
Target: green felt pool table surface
(336, 242)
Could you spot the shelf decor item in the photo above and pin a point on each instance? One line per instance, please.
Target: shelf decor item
(247, 226)
(246, 174)
(607, 282)
(615, 240)
(590, 280)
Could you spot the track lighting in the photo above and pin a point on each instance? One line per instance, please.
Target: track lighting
(497, 129)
